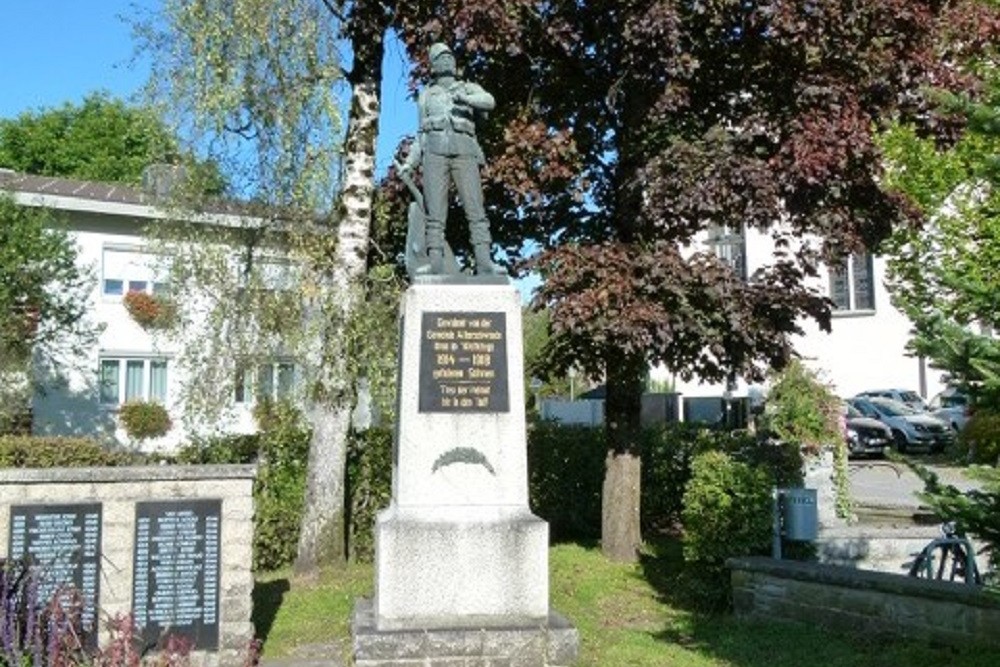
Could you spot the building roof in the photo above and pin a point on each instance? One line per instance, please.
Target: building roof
(28, 184)
(67, 194)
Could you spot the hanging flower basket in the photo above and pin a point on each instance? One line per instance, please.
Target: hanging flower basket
(150, 310)
(143, 420)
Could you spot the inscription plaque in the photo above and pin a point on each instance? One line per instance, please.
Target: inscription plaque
(64, 543)
(175, 590)
(463, 362)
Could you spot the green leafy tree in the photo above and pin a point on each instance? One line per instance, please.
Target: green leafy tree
(101, 139)
(945, 277)
(43, 301)
(626, 129)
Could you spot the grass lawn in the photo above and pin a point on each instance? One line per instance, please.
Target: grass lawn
(626, 615)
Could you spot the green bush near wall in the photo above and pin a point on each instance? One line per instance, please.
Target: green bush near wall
(979, 440)
(18, 451)
(369, 488)
(281, 455)
(565, 472)
(565, 475)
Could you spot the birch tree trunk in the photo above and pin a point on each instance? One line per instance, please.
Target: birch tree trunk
(322, 540)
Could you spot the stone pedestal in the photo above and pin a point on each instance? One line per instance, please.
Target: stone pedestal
(461, 563)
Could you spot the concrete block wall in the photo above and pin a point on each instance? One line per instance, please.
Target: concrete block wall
(118, 490)
(859, 601)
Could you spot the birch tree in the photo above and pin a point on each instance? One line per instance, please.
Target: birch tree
(259, 86)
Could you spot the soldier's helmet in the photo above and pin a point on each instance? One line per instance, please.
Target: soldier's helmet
(436, 50)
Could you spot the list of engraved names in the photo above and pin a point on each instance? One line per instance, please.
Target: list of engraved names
(463, 362)
(64, 543)
(176, 585)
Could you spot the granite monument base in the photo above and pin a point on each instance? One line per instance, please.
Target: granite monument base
(552, 642)
(460, 567)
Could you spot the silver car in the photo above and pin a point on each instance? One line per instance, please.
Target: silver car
(909, 427)
(905, 396)
(952, 407)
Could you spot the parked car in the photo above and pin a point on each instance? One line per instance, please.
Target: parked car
(904, 396)
(909, 427)
(865, 435)
(952, 407)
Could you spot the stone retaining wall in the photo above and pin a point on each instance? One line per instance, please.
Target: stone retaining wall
(118, 490)
(863, 601)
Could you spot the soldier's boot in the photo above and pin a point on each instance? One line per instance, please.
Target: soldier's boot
(436, 255)
(484, 262)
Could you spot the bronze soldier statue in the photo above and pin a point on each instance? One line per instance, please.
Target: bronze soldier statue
(447, 150)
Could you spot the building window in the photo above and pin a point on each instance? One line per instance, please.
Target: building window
(128, 270)
(123, 379)
(852, 286)
(274, 381)
(730, 245)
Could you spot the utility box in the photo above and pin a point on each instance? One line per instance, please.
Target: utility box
(800, 514)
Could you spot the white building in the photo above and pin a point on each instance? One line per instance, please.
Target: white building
(128, 363)
(865, 350)
(866, 347)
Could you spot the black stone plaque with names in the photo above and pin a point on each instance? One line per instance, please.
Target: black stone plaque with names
(64, 544)
(463, 362)
(175, 589)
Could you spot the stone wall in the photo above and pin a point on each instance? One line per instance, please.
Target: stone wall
(861, 601)
(118, 490)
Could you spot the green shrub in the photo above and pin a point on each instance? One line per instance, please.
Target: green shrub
(727, 509)
(271, 415)
(565, 474)
(144, 419)
(667, 453)
(980, 438)
(281, 455)
(800, 408)
(280, 494)
(727, 512)
(52, 452)
(227, 449)
(369, 488)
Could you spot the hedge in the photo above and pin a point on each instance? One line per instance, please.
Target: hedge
(21, 451)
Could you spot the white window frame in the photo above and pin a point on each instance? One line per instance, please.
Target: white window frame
(123, 362)
(249, 383)
(848, 273)
(129, 281)
(723, 240)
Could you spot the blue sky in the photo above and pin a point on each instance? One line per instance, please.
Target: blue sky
(57, 51)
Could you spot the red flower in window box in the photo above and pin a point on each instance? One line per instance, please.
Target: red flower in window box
(150, 310)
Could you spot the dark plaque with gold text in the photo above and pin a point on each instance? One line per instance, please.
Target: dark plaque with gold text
(64, 543)
(176, 585)
(463, 362)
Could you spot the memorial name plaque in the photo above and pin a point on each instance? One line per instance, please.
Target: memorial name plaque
(64, 543)
(463, 362)
(176, 584)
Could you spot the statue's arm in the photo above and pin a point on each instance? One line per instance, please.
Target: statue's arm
(416, 148)
(476, 97)
(415, 155)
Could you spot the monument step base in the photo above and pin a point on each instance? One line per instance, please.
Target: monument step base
(552, 643)
(469, 570)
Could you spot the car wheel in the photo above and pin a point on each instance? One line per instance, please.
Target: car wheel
(901, 441)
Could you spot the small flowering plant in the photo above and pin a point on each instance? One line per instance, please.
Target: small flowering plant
(143, 420)
(151, 311)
